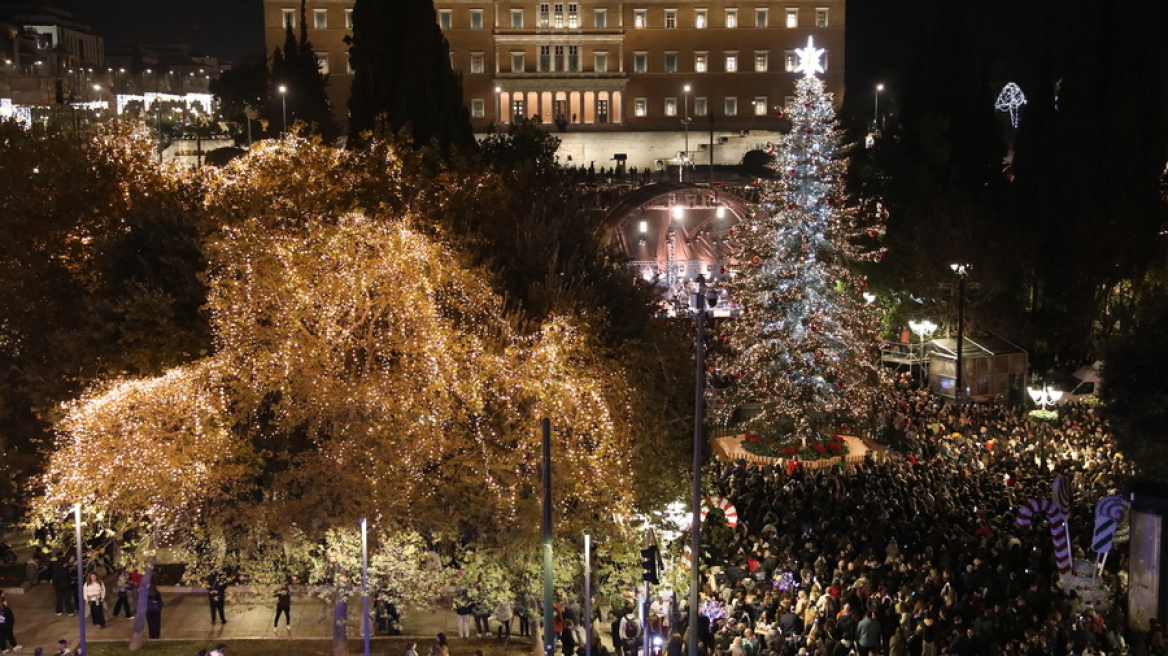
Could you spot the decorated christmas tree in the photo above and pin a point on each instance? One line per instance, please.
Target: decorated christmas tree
(805, 348)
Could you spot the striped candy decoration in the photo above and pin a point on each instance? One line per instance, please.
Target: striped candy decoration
(1058, 528)
(725, 506)
(1108, 512)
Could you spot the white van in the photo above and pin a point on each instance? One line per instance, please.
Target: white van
(1085, 384)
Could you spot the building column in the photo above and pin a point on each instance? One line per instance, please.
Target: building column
(616, 110)
(589, 107)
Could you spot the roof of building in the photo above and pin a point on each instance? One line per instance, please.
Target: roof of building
(981, 346)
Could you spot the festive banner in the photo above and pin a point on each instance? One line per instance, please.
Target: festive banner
(1058, 528)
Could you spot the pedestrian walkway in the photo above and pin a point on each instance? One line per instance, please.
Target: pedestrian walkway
(187, 616)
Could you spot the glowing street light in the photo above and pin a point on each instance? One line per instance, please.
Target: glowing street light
(962, 271)
(922, 329)
(1043, 397)
(876, 111)
(284, 104)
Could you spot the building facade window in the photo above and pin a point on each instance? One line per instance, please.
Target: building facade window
(602, 111)
(671, 18)
(760, 62)
(348, 19)
(573, 59)
(518, 108)
(558, 16)
(641, 62)
(792, 18)
(731, 107)
(731, 62)
(573, 16)
(701, 18)
(760, 106)
(701, 60)
(545, 59)
(760, 17)
(701, 106)
(671, 106)
(600, 62)
(445, 19)
(671, 62)
(731, 18)
(641, 107)
(790, 61)
(600, 19)
(320, 19)
(545, 16)
(516, 19)
(821, 17)
(478, 108)
(288, 18)
(476, 63)
(476, 19)
(639, 18)
(322, 62)
(517, 65)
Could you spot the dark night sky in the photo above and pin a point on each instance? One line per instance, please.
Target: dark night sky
(229, 29)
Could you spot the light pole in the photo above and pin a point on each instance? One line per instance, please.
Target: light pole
(685, 125)
(81, 605)
(365, 583)
(1043, 397)
(498, 106)
(587, 593)
(876, 111)
(922, 329)
(962, 270)
(695, 545)
(284, 104)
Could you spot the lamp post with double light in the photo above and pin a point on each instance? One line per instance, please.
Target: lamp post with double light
(1043, 397)
(923, 329)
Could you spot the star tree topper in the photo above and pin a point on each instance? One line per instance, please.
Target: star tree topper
(809, 63)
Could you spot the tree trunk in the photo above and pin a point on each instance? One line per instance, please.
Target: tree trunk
(140, 612)
(340, 625)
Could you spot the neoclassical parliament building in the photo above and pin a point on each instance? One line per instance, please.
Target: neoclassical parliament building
(608, 66)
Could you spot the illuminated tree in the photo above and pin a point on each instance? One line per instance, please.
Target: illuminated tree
(360, 369)
(805, 347)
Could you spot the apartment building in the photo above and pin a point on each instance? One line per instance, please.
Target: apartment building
(607, 65)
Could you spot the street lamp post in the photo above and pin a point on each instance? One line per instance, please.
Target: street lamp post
(876, 111)
(81, 605)
(685, 125)
(922, 329)
(498, 106)
(695, 546)
(1043, 397)
(962, 270)
(284, 104)
(365, 583)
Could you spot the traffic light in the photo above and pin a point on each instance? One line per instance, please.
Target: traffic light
(649, 565)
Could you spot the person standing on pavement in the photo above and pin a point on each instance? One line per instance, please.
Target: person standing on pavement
(7, 626)
(217, 596)
(464, 609)
(62, 586)
(283, 605)
(154, 612)
(504, 612)
(125, 586)
(95, 597)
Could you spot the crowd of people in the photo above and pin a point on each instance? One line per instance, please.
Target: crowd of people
(917, 554)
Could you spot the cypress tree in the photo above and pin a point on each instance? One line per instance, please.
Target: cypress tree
(402, 74)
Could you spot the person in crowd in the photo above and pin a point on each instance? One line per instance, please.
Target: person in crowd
(220, 650)
(95, 597)
(63, 587)
(154, 612)
(7, 629)
(62, 649)
(125, 588)
(464, 610)
(284, 607)
(217, 597)
(504, 612)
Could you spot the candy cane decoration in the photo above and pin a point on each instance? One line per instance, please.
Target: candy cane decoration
(1108, 512)
(725, 506)
(1058, 528)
